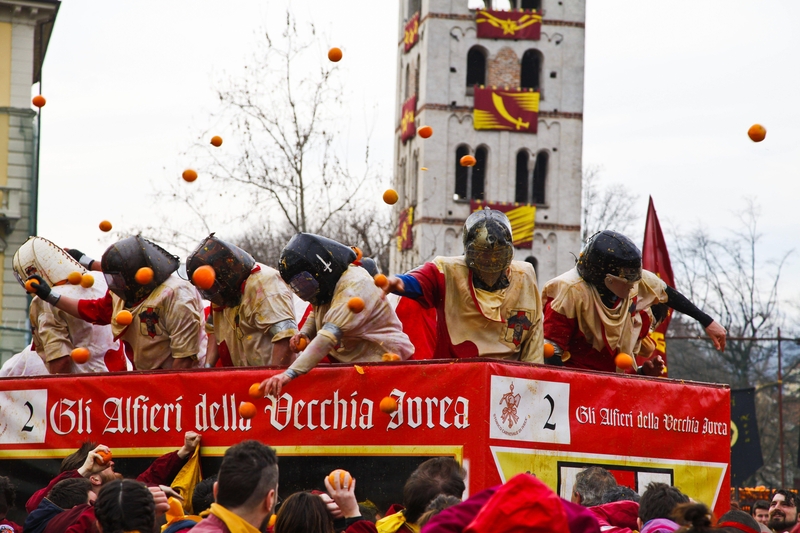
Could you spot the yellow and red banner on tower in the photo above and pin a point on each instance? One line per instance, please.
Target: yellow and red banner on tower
(521, 216)
(506, 109)
(405, 238)
(408, 126)
(520, 25)
(411, 33)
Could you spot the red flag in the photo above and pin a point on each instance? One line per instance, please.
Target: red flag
(655, 258)
(508, 24)
(506, 109)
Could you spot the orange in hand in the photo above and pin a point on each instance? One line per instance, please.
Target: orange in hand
(302, 343)
(468, 161)
(381, 280)
(29, 285)
(247, 410)
(103, 457)
(549, 350)
(144, 275)
(255, 391)
(425, 132)
(80, 355)
(39, 100)
(74, 278)
(344, 478)
(388, 405)
(204, 277)
(189, 175)
(355, 304)
(390, 196)
(124, 318)
(757, 133)
(87, 280)
(623, 361)
(105, 225)
(335, 54)
(216, 140)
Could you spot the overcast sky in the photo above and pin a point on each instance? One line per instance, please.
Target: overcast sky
(671, 89)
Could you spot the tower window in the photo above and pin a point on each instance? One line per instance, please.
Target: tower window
(407, 89)
(540, 177)
(530, 4)
(471, 181)
(523, 177)
(462, 173)
(479, 173)
(416, 77)
(476, 66)
(531, 68)
(532, 260)
(413, 7)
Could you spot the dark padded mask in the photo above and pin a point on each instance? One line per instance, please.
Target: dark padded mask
(312, 266)
(232, 267)
(122, 260)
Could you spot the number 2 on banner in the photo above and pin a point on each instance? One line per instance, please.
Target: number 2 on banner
(548, 425)
(529, 410)
(23, 416)
(28, 427)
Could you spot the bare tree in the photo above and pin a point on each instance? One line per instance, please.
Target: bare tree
(605, 207)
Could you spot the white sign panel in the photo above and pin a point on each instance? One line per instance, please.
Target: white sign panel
(23, 416)
(529, 410)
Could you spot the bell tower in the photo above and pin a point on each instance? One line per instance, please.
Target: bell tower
(500, 81)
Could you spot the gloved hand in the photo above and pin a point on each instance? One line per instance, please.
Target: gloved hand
(42, 290)
(81, 257)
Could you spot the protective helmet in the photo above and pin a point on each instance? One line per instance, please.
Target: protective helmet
(40, 256)
(231, 264)
(312, 265)
(609, 253)
(123, 259)
(370, 266)
(488, 246)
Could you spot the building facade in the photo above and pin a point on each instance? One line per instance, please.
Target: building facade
(510, 94)
(25, 28)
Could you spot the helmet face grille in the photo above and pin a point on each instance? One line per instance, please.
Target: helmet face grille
(323, 259)
(127, 256)
(488, 245)
(232, 267)
(609, 253)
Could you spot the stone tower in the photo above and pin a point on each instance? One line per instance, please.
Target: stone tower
(501, 81)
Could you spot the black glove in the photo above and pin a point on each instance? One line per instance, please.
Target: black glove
(42, 290)
(81, 258)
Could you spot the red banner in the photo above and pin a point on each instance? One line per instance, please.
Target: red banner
(655, 258)
(499, 418)
(521, 216)
(411, 33)
(505, 109)
(405, 237)
(519, 25)
(408, 126)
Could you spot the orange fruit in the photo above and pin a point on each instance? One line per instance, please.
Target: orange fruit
(388, 405)
(124, 318)
(355, 304)
(381, 280)
(335, 54)
(39, 100)
(144, 275)
(105, 225)
(255, 391)
(343, 475)
(390, 357)
(623, 361)
(425, 132)
(189, 175)
(467, 161)
(103, 457)
(204, 277)
(549, 350)
(87, 280)
(390, 196)
(74, 278)
(29, 285)
(80, 355)
(272, 520)
(247, 410)
(302, 343)
(216, 140)
(757, 133)
(359, 253)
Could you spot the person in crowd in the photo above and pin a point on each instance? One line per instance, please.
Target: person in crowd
(246, 490)
(66, 500)
(590, 485)
(125, 505)
(600, 308)
(350, 320)
(437, 505)
(251, 307)
(737, 521)
(7, 497)
(203, 495)
(656, 507)
(166, 327)
(303, 512)
(782, 511)
(55, 333)
(502, 316)
(620, 516)
(620, 493)
(760, 511)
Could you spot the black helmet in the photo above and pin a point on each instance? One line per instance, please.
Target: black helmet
(231, 264)
(122, 260)
(370, 266)
(488, 245)
(609, 252)
(312, 265)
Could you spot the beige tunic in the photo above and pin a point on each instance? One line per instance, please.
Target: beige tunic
(245, 329)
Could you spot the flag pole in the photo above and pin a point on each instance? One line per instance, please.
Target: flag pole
(780, 410)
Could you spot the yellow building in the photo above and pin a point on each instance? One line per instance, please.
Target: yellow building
(25, 28)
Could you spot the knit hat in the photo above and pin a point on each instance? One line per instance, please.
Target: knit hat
(738, 522)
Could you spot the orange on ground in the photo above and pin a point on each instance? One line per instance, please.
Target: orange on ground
(39, 100)
(623, 361)
(29, 285)
(103, 457)
(390, 357)
(390, 196)
(204, 277)
(381, 280)
(302, 343)
(144, 275)
(359, 253)
(344, 478)
(124, 318)
(87, 280)
(388, 405)
(425, 132)
(468, 161)
(105, 225)
(74, 278)
(757, 133)
(189, 175)
(549, 350)
(80, 355)
(216, 140)
(355, 304)
(247, 410)
(255, 391)
(335, 54)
